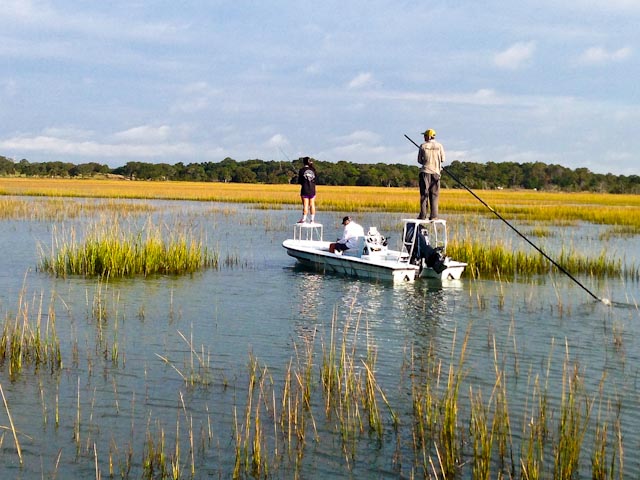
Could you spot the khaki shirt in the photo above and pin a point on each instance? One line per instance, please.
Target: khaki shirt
(431, 157)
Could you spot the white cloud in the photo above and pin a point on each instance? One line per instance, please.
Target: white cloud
(360, 146)
(360, 137)
(68, 132)
(195, 97)
(600, 55)
(356, 153)
(17, 9)
(362, 80)
(41, 16)
(515, 56)
(144, 134)
(278, 141)
(142, 142)
(480, 97)
(314, 85)
(62, 146)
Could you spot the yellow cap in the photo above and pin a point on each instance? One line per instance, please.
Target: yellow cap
(430, 133)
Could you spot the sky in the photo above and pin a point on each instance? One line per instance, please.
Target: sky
(198, 81)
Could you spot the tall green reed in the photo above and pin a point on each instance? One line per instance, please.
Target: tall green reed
(109, 249)
(500, 259)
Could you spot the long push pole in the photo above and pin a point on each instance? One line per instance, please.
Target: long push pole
(606, 301)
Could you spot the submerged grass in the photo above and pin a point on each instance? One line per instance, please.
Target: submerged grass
(107, 249)
(29, 337)
(441, 432)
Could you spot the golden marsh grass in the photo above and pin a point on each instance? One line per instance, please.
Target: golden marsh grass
(527, 205)
(58, 209)
(537, 210)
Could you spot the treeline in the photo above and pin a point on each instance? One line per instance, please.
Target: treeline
(488, 175)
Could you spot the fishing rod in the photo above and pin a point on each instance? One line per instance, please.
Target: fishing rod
(606, 301)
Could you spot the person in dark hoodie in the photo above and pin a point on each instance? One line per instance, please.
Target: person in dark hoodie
(307, 179)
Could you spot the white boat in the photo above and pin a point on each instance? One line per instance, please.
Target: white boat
(421, 255)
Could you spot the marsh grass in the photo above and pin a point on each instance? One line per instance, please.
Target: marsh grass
(488, 257)
(251, 448)
(540, 232)
(527, 205)
(446, 425)
(13, 428)
(110, 250)
(196, 371)
(618, 231)
(29, 337)
(607, 458)
(575, 409)
(352, 395)
(453, 435)
(59, 209)
(351, 400)
(535, 432)
(436, 429)
(497, 258)
(482, 433)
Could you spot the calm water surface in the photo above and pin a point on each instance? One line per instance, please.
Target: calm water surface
(99, 410)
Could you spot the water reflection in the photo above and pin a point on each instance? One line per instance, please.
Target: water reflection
(308, 301)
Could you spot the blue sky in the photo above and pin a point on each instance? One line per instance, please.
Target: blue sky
(194, 81)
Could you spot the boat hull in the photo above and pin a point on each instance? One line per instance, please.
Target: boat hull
(316, 255)
(452, 272)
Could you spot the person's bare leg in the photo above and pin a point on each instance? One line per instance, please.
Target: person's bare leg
(305, 210)
(312, 209)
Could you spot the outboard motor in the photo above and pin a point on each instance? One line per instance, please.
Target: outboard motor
(433, 257)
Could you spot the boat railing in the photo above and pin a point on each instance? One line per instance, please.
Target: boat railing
(435, 232)
(308, 231)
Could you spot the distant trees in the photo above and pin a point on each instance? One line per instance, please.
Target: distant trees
(7, 167)
(488, 175)
(88, 170)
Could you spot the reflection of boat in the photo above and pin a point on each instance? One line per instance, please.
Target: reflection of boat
(422, 254)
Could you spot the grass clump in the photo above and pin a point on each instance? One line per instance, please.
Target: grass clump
(497, 258)
(30, 338)
(109, 250)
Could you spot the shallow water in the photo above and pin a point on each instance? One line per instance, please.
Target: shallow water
(262, 305)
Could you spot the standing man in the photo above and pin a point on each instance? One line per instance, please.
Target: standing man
(431, 157)
(307, 180)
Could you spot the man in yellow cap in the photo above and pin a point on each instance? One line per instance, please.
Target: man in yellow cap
(431, 157)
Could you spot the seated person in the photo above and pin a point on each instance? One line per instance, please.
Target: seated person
(349, 236)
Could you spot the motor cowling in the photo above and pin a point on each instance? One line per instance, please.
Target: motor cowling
(433, 257)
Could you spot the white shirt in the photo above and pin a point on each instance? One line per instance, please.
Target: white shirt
(350, 234)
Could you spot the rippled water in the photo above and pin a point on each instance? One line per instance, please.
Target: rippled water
(99, 411)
